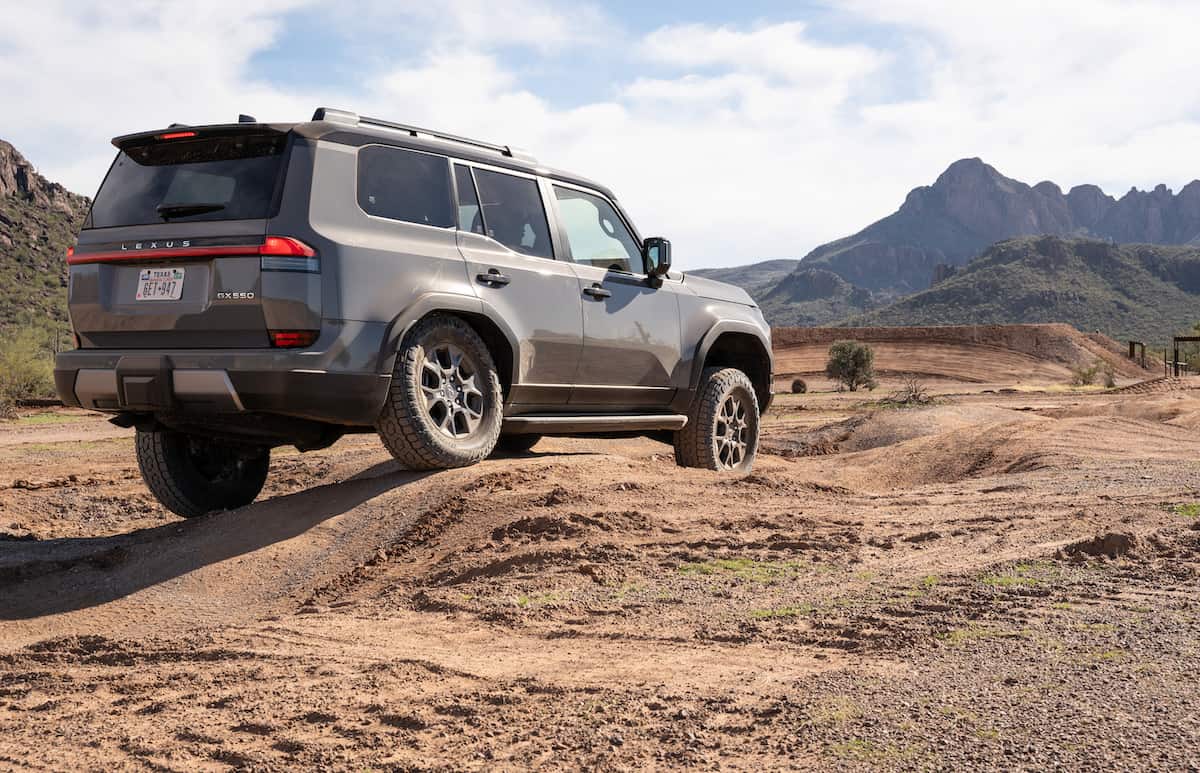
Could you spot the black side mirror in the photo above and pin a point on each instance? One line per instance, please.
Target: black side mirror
(657, 252)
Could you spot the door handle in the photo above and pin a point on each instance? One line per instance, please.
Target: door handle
(597, 292)
(493, 277)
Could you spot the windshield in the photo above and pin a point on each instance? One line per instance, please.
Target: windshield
(212, 178)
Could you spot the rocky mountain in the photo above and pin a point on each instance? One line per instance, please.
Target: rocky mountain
(38, 222)
(971, 206)
(1143, 292)
(941, 227)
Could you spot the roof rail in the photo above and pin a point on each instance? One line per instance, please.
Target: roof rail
(353, 119)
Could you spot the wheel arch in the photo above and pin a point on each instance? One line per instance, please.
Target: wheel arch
(738, 345)
(496, 334)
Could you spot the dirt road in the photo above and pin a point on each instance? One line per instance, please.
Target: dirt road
(999, 580)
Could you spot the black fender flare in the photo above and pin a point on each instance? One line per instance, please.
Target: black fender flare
(430, 303)
(716, 331)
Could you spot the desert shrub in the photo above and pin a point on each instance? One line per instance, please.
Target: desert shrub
(1099, 370)
(26, 366)
(912, 392)
(852, 365)
(1085, 375)
(799, 386)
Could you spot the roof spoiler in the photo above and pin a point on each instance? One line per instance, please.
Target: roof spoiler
(354, 119)
(181, 131)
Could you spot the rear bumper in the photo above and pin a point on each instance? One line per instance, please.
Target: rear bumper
(202, 382)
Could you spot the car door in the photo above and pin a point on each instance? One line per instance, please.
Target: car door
(505, 237)
(631, 340)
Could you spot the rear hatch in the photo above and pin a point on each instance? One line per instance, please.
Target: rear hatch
(173, 252)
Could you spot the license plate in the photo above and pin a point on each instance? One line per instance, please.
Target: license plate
(160, 284)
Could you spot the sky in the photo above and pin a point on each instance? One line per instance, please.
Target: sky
(741, 131)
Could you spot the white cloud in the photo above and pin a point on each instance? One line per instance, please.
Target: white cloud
(738, 142)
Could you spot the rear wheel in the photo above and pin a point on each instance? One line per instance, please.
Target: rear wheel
(722, 428)
(516, 444)
(192, 475)
(445, 405)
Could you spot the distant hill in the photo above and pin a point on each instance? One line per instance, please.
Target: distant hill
(38, 222)
(812, 296)
(756, 278)
(1144, 292)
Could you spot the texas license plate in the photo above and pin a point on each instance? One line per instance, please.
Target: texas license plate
(160, 284)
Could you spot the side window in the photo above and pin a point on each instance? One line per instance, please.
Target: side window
(470, 218)
(595, 232)
(513, 213)
(403, 185)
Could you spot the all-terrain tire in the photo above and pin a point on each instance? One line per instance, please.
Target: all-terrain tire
(713, 431)
(192, 476)
(516, 444)
(409, 424)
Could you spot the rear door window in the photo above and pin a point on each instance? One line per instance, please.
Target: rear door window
(513, 212)
(405, 185)
(186, 180)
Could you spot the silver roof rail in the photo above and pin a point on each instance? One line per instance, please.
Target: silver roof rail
(353, 119)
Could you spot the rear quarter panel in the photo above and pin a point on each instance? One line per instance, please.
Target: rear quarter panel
(378, 272)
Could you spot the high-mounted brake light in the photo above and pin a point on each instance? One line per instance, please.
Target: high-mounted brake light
(158, 250)
(176, 135)
(292, 339)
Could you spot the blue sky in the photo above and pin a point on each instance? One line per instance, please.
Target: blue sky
(742, 131)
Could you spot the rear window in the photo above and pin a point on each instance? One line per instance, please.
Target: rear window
(212, 178)
(405, 185)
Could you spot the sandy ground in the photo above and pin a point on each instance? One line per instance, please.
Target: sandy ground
(1001, 580)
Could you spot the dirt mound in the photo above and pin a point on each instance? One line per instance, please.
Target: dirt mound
(1162, 384)
(1111, 545)
(1179, 408)
(881, 428)
(951, 443)
(978, 354)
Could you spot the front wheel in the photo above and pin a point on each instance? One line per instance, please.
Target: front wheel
(192, 475)
(445, 405)
(722, 428)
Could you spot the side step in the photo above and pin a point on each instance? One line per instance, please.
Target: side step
(584, 424)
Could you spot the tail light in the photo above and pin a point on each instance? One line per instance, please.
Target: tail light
(271, 247)
(293, 339)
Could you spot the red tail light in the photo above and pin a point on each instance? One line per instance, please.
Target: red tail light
(293, 339)
(176, 135)
(285, 245)
(70, 252)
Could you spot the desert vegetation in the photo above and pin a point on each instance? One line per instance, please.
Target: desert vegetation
(26, 364)
(852, 365)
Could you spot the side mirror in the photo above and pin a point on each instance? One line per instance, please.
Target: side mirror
(657, 252)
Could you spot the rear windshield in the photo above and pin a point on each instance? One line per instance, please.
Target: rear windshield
(213, 178)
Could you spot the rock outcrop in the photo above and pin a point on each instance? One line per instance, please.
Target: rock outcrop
(38, 222)
(19, 179)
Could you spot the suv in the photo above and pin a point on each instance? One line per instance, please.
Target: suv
(244, 286)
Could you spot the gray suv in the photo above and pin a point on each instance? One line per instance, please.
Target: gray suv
(244, 286)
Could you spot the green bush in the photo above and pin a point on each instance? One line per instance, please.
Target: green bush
(852, 365)
(26, 365)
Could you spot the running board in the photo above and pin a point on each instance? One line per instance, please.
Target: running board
(583, 424)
